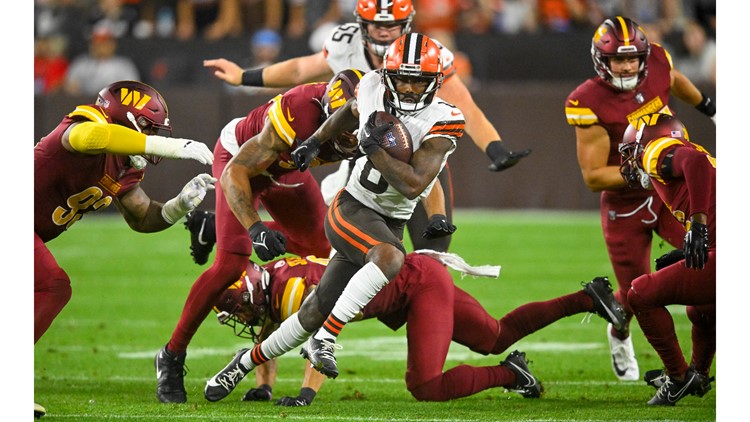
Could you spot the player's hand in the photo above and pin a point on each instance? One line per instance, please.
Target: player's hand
(225, 70)
(305, 153)
(438, 227)
(696, 246)
(262, 393)
(669, 258)
(502, 158)
(163, 146)
(267, 243)
(373, 135)
(189, 198)
(305, 398)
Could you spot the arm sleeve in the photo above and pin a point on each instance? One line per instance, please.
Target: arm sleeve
(697, 169)
(99, 138)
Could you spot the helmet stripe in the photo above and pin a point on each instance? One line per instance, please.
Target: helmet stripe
(625, 32)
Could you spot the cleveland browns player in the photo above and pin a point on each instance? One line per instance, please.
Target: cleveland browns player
(634, 78)
(94, 158)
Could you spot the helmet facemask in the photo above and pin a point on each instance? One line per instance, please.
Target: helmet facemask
(620, 37)
(393, 13)
(244, 306)
(412, 72)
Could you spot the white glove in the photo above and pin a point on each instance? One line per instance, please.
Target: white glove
(188, 199)
(178, 148)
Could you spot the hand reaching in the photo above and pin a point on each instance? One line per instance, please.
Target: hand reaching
(267, 243)
(189, 198)
(502, 158)
(438, 227)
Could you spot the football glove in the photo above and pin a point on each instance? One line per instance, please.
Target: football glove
(267, 243)
(502, 158)
(373, 135)
(696, 246)
(438, 227)
(162, 146)
(669, 258)
(262, 393)
(707, 106)
(305, 398)
(305, 153)
(188, 199)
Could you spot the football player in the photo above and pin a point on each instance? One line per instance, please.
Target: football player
(254, 167)
(634, 78)
(361, 45)
(435, 311)
(657, 153)
(96, 157)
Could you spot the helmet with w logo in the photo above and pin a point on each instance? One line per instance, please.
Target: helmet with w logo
(620, 37)
(385, 13)
(245, 304)
(412, 72)
(137, 106)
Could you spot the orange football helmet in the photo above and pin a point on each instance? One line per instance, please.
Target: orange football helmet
(383, 12)
(412, 59)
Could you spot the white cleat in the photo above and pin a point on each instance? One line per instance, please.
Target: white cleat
(624, 364)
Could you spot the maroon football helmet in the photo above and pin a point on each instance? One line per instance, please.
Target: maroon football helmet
(138, 106)
(620, 36)
(245, 304)
(339, 90)
(647, 128)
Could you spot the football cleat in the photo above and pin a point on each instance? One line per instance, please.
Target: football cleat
(39, 410)
(672, 391)
(624, 364)
(223, 383)
(320, 355)
(655, 378)
(202, 228)
(526, 384)
(170, 376)
(605, 304)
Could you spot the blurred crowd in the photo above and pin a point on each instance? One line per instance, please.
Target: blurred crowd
(76, 41)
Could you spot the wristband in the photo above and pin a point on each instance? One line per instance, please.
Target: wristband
(307, 394)
(252, 77)
(707, 106)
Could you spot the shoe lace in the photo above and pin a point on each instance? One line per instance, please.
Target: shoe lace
(326, 349)
(229, 379)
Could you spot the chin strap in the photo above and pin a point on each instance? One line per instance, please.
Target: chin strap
(457, 263)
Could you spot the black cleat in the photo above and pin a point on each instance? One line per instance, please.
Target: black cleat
(320, 355)
(170, 376)
(672, 391)
(202, 228)
(223, 383)
(605, 304)
(39, 410)
(655, 378)
(526, 384)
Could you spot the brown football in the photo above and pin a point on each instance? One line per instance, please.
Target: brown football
(397, 141)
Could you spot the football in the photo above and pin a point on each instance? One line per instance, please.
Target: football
(397, 141)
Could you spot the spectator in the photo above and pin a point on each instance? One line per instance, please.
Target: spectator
(210, 19)
(265, 47)
(563, 15)
(50, 64)
(699, 62)
(513, 16)
(120, 17)
(88, 73)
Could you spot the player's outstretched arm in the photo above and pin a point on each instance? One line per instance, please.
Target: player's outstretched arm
(289, 73)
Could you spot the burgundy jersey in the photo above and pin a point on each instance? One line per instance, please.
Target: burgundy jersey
(67, 184)
(295, 115)
(689, 164)
(290, 280)
(595, 102)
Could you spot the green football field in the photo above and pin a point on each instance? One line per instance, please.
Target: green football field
(96, 361)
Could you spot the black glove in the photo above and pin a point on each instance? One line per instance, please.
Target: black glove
(707, 106)
(696, 246)
(438, 227)
(502, 158)
(669, 258)
(268, 244)
(262, 393)
(373, 135)
(305, 398)
(305, 153)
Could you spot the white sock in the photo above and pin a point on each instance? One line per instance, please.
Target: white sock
(362, 287)
(289, 335)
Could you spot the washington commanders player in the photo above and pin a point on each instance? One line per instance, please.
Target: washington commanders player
(93, 158)
(634, 78)
(435, 311)
(660, 154)
(365, 222)
(254, 167)
(361, 45)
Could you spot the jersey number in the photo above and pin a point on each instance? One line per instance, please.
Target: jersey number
(365, 179)
(89, 199)
(345, 33)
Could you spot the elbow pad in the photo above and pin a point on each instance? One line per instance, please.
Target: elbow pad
(98, 138)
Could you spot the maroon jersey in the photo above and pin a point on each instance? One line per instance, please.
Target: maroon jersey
(67, 185)
(295, 115)
(595, 102)
(689, 164)
(290, 280)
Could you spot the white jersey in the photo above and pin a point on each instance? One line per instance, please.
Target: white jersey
(366, 184)
(344, 49)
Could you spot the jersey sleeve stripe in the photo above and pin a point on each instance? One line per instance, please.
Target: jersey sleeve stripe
(292, 297)
(89, 113)
(276, 115)
(580, 116)
(650, 159)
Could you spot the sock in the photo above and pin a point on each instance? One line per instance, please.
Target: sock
(289, 335)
